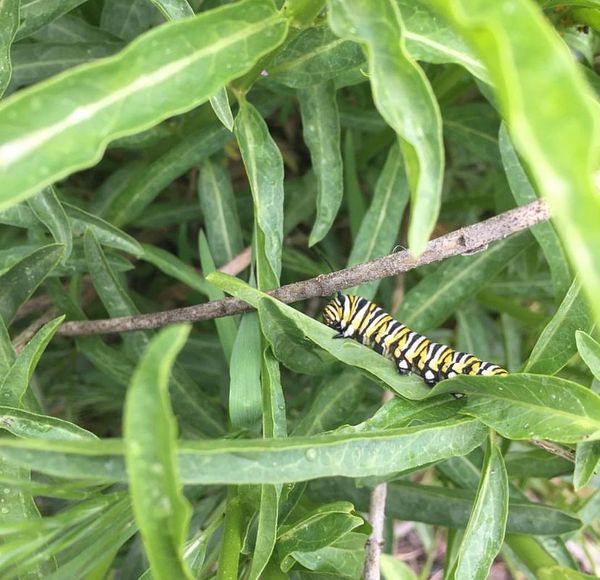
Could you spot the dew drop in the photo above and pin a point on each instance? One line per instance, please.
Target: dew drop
(156, 468)
(311, 454)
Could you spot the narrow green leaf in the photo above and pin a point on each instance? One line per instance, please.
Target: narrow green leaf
(96, 544)
(17, 379)
(321, 129)
(71, 29)
(191, 404)
(405, 100)
(524, 406)
(346, 351)
(587, 461)
(381, 225)
(545, 234)
(536, 463)
(289, 342)
(48, 209)
(197, 414)
(403, 413)
(531, 552)
(274, 418)
(33, 62)
(589, 350)
(513, 342)
(174, 9)
(22, 280)
(557, 343)
(172, 266)
(267, 530)
(245, 400)
(107, 234)
(178, 159)
(226, 327)
(19, 216)
(110, 291)
(219, 209)
(150, 431)
(430, 39)
(8, 28)
(343, 558)
(394, 569)
(274, 425)
(553, 572)
(231, 544)
(315, 531)
(516, 46)
(337, 397)
(7, 352)
(127, 20)
(181, 64)
(440, 293)
(442, 506)
(473, 333)
(17, 501)
(357, 207)
(282, 460)
(313, 56)
(220, 105)
(264, 166)
(304, 12)
(484, 533)
(34, 14)
(26, 424)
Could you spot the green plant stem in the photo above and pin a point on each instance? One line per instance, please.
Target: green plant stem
(232, 538)
(303, 12)
(530, 552)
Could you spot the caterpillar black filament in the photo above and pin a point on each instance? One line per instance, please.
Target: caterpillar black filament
(358, 318)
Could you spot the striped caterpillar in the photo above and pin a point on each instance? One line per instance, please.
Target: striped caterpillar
(361, 319)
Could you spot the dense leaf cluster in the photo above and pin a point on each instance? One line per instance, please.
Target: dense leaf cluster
(138, 157)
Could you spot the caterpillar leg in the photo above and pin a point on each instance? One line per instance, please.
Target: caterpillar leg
(403, 366)
(430, 378)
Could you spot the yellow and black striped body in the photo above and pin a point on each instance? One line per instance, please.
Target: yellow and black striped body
(358, 318)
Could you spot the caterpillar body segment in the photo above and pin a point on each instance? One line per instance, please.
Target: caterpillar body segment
(359, 318)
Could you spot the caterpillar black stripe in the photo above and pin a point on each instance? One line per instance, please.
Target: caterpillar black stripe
(358, 318)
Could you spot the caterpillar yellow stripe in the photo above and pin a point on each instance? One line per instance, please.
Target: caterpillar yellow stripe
(358, 318)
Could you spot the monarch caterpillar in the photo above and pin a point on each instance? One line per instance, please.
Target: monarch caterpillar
(361, 319)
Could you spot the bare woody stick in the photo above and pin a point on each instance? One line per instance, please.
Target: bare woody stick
(464, 240)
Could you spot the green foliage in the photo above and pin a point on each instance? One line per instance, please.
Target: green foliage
(147, 144)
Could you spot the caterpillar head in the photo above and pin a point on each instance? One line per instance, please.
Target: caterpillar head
(333, 313)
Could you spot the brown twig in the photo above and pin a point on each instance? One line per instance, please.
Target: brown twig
(464, 240)
(554, 449)
(377, 520)
(28, 333)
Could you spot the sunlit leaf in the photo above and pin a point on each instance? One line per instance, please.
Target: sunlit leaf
(525, 406)
(181, 64)
(404, 98)
(556, 345)
(150, 431)
(484, 533)
(21, 281)
(546, 109)
(321, 127)
(262, 460)
(8, 28)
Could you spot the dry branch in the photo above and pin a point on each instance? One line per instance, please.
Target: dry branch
(463, 241)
